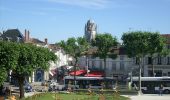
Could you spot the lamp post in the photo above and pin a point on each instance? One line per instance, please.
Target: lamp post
(87, 65)
(131, 75)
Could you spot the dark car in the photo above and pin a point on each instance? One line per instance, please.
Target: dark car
(28, 87)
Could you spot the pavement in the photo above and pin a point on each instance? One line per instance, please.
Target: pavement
(31, 94)
(149, 97)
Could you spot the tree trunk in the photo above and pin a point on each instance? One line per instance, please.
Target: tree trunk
(153, 72)
(104, 67)
(139, 90)
(105, 85)
(75, 74)
(21, 86)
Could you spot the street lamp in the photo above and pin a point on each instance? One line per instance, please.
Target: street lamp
(76, 43)
(87, 65)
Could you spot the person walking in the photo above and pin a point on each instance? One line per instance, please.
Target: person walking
(161, 90)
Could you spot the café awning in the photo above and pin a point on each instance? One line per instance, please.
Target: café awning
(95, 74)
(78, 72)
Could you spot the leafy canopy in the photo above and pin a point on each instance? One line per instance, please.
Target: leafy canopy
(105, 44)
(23, 59)
(140, 43)
(75, 47)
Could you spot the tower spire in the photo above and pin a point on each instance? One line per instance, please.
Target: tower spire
(90, 30)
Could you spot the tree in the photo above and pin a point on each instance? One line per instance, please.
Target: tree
(23, 59)
(156, 47)
(8, 59)
(136, 44)
(75, 47)
(3, 75)
(105, 44)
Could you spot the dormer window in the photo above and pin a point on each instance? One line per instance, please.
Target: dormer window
(8, 39)
(18, 39)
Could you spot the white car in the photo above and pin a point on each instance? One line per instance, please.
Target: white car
(52, 83)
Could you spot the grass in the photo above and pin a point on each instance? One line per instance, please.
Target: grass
(73, 96)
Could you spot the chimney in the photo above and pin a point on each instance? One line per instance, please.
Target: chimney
(25, 35)
(46, 40)
(28, 35)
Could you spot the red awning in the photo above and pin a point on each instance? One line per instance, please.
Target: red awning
(95, 74)
(78, 72)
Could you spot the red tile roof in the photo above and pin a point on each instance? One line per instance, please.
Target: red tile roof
(167, 36)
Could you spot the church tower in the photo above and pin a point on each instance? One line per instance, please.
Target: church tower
(90, 30)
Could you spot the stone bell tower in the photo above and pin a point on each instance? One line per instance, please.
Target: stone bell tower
(90, 30)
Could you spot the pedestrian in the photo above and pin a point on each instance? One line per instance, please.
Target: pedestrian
(136, 88)
(160, 90)
(3, 90)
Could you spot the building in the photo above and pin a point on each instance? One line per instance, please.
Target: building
(119, 67)
(90, 30)
(123, 66)
(161, 63)
(13, 35)
(63, 59)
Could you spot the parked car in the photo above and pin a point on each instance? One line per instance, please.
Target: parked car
(53, 83)
(28, 87)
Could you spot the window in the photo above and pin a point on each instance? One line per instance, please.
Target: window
(101, 65)
(168, 60)
(149, 60)
(93, 63)
(121, 57)
(18, 39)
(8, 38)
(164, 74)
(168, 73)
(158, 73)
(168, 46)
(136, 62)
(113, 66)
(121, 66)
(159, 60)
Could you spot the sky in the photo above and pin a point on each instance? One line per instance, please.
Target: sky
(61, 19)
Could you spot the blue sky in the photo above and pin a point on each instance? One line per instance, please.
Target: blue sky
(60, 19)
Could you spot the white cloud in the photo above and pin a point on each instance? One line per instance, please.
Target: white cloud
(94, 4)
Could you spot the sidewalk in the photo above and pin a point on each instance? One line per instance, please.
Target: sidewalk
(149, 97)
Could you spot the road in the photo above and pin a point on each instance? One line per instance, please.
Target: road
(149, 97)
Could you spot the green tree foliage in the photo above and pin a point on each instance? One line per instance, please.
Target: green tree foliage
(8, 59)
(75, 47)
(156, 47)
(136, 44)
(3, 75)
(139, 43)
(105, 44)
(23, 59)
